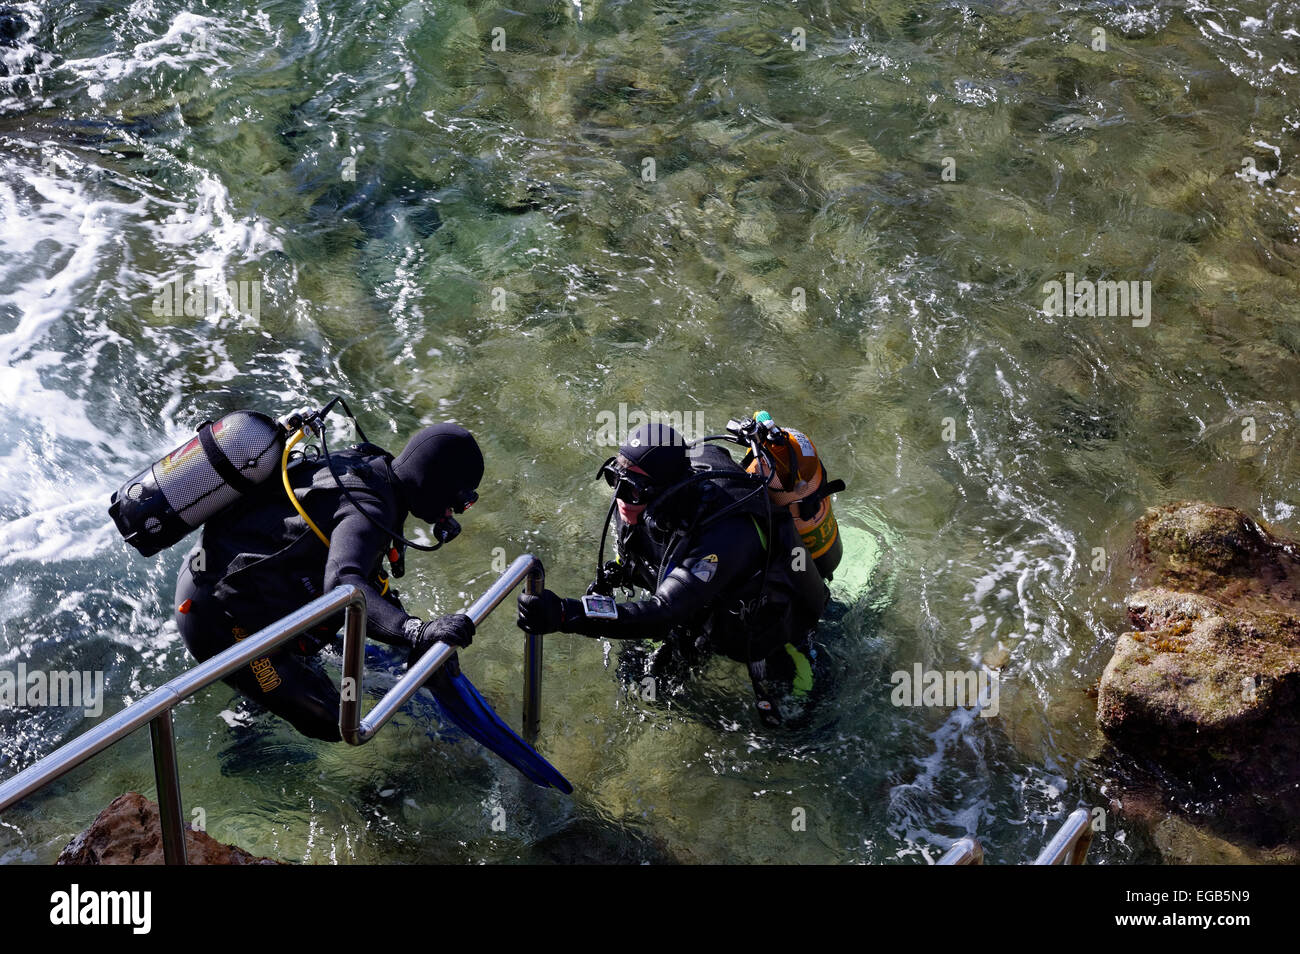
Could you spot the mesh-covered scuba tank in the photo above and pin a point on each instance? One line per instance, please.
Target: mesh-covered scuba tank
(800, 483)
(174, 496)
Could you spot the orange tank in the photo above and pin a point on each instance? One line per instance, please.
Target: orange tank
(799, 474)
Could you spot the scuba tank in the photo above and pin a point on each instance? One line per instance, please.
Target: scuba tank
(797, 480)
(174, 496)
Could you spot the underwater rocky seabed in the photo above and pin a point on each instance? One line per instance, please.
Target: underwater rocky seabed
(143, 141)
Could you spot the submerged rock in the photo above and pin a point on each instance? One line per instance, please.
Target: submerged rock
(588, 841)
(1210, 676)
(127, 833)
(1182, 843)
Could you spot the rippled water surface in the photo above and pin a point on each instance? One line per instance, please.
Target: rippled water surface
(450, 213)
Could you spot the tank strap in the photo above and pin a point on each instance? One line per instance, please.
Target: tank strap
(808, 506)
(221, 463)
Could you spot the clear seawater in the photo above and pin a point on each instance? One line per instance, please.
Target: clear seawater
(447, 228)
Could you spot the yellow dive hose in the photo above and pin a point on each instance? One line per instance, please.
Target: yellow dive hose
(293, 498)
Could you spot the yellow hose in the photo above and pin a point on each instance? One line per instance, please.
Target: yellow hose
(293, 498)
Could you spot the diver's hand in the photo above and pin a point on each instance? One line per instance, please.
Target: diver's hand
(455, 630)
(544, 613)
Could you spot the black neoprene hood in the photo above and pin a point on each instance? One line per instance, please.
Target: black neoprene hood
(658, 450)
(437, 462)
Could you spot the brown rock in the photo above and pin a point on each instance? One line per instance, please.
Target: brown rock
(1218, 552)
(127, 832)
(1182, 843)
(1204, 693)
(1198, 674)
(1211, 673)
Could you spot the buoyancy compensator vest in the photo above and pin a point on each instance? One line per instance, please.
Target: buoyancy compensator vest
(785, 589)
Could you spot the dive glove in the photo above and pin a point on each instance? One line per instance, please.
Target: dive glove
(546, 612)
(455, 630)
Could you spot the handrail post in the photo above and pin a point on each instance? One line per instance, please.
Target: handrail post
(1069, 846)
(1084, 842)
(354, 660)
(964, 851)
(162, 740)
(356, 730)
(534, 584)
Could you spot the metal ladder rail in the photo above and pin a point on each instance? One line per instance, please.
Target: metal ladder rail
(155, 709)
(1069, 846)
(965, 851)
(357, 731)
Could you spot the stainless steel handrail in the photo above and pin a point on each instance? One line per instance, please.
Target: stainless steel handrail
(155, 709)
(964, 851)
(1070, 845)
(358, 731)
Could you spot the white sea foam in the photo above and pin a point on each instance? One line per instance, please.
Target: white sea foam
(190, 39)
(914, 806)
(54, 233)
(24, 60)
(60, 255)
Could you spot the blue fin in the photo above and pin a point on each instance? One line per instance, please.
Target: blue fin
(461, 703)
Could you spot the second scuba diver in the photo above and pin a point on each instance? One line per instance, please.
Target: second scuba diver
(727, 571)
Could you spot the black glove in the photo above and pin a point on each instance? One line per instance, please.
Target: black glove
(546, 613)
(455, 630)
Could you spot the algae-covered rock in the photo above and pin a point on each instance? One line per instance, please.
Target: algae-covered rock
(1197, 674)
(1211, 673)
(1190, 544)
(1182, 843)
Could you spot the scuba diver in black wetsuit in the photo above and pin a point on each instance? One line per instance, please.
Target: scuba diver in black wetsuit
(261, 561)
(727, 571)
(329, 521)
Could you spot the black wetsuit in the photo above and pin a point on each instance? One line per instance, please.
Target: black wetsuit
(714, 595)
(259, 561)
